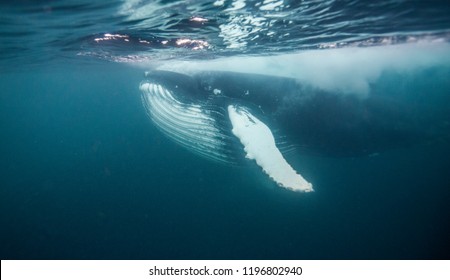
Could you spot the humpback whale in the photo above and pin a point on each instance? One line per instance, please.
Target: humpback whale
(232, 117)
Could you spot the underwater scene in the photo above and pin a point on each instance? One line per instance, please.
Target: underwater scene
(227, 129)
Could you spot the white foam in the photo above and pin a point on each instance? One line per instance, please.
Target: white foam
(342, 71)
(259, 144)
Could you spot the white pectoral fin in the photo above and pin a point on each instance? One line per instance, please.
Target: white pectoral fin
(259, 144)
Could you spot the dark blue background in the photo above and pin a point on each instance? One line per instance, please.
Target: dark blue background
(85, 175)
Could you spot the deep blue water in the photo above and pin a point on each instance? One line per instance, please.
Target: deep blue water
(84, 174)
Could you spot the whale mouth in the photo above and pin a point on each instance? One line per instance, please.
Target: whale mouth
(197, 127)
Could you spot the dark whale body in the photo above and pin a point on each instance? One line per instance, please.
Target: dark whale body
(315, 121)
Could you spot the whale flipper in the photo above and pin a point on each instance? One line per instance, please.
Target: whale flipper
(259, 144)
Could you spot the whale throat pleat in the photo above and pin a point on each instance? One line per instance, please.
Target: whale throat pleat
(188, 124)
(259, 144)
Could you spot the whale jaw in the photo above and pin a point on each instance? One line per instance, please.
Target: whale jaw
(190, 125)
